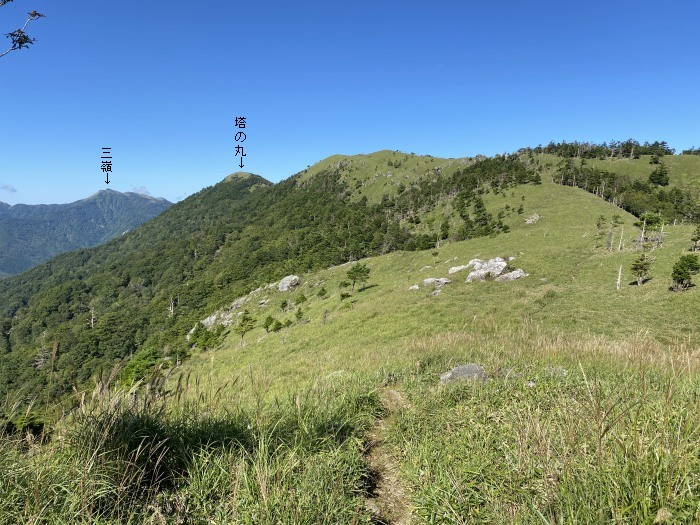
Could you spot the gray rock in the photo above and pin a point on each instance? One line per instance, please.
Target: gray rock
(414, 287)
(438, 282)
(511, 276)
(288, 283)
(482, 270)
(456, 269)
(435, 293)
(556, 371)
(424, 268)
(469, 372)
(532, 219)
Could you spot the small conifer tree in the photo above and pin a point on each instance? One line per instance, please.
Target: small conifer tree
(640, 268)
(358, 273)
(267, 324)
(245, 324)
(683, 270)
(696, 239)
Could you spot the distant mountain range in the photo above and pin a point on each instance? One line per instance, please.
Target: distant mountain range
(32, 234)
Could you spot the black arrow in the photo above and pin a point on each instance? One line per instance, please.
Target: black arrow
(241, 164)
(107, 179)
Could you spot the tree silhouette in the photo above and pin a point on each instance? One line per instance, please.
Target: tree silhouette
(18, 38)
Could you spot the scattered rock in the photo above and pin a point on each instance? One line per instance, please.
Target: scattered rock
(469, 372)
(288, 282)
(456, 269)
(414, 287)
(663, 515)
(424, 268)
(435, 293)
(532, 219)
(556, 371)
(438, 282)
(530, 384)
(508, 373)
(511, 276)
(263, 302)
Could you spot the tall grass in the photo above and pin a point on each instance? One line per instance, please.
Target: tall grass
(193, 455)
(615, 439)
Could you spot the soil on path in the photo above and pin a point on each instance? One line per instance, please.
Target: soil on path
(387, 501)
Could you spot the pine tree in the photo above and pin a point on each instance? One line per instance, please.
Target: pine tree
(269, 321)
(358, 273)
(640, 268)
(696, 239)
(660, 175)
(683, 270)
(245, 324)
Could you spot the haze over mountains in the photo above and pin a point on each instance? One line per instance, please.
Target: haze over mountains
(31, 234)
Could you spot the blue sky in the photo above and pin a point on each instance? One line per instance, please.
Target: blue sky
(162, 82)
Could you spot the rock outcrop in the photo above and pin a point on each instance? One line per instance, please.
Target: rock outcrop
(289, 282)
(491, 268)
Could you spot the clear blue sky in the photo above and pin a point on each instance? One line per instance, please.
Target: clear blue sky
(161, 83)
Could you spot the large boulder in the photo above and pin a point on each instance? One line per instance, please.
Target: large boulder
(469, 372)
(438, 282)
(288, 283)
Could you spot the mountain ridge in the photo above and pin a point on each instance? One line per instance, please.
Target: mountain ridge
(33, 233)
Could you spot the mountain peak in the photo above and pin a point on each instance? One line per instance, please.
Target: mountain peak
(239, 175)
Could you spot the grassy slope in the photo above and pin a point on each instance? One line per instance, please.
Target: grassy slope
(373, 176)
(684, 170)
(615, 439)
(571, 289)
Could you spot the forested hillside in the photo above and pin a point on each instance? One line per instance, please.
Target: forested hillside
(141, 293)
(31, 234)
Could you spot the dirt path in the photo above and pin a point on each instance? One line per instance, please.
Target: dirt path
(387, 501)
